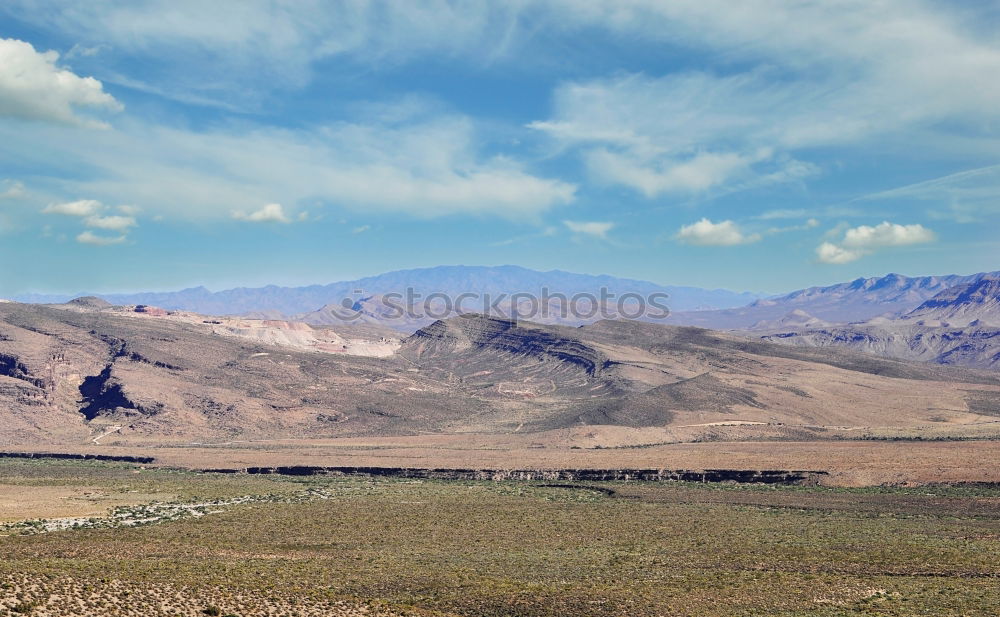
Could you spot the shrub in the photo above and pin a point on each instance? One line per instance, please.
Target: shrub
(24, 608)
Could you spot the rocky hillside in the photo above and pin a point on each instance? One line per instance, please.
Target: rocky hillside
(958, 326)
(971, 304)
(81, 374)
(856, 301)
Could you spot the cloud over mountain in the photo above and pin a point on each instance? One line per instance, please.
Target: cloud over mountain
(865, 239)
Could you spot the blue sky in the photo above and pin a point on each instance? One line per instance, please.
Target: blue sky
(759, 145)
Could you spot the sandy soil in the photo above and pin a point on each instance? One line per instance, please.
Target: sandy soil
(22, 501)
(850, 463)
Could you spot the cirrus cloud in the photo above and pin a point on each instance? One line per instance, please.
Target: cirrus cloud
(845, 74)
(426, 168)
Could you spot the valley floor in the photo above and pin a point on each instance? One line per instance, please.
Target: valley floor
(364, 546)
(864, 462)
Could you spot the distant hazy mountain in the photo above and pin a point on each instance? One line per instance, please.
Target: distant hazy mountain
(857, 301)
(451, 280)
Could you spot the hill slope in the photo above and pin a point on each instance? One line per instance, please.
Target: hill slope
(958, 326)
(75, 374)
(976, 303)
(856, 301)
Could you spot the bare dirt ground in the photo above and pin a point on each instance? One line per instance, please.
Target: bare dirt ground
(849, 463)
(18, 502)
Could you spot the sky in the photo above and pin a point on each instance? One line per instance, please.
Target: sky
(756, 146)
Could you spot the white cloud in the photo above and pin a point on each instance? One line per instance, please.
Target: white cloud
(112, 222)
(83, 207)
(90, 211)
(270, 213)
(964, 197)
(79, 51)
(361, 229)
(871, 49)
(11, 189)
(821, 75)
(250, 47)
(597, 229)
(707, 233)
(809, 76)
(652, 177)
(865, 240)
(805, 226)
(688, 133)
(886, 234)
(830, 253)
(32, 87)
(427, 167)
(852, 50)
(769, 215)
(89, 237)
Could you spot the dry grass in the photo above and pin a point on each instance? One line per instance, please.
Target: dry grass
(51, 596)
(477, 548)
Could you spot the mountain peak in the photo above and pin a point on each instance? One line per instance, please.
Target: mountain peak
(450, 280)
(973, 303)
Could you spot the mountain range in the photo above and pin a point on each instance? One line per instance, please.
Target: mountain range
(277, 301)
(959, 325)
(951, 319)
(856, 301)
